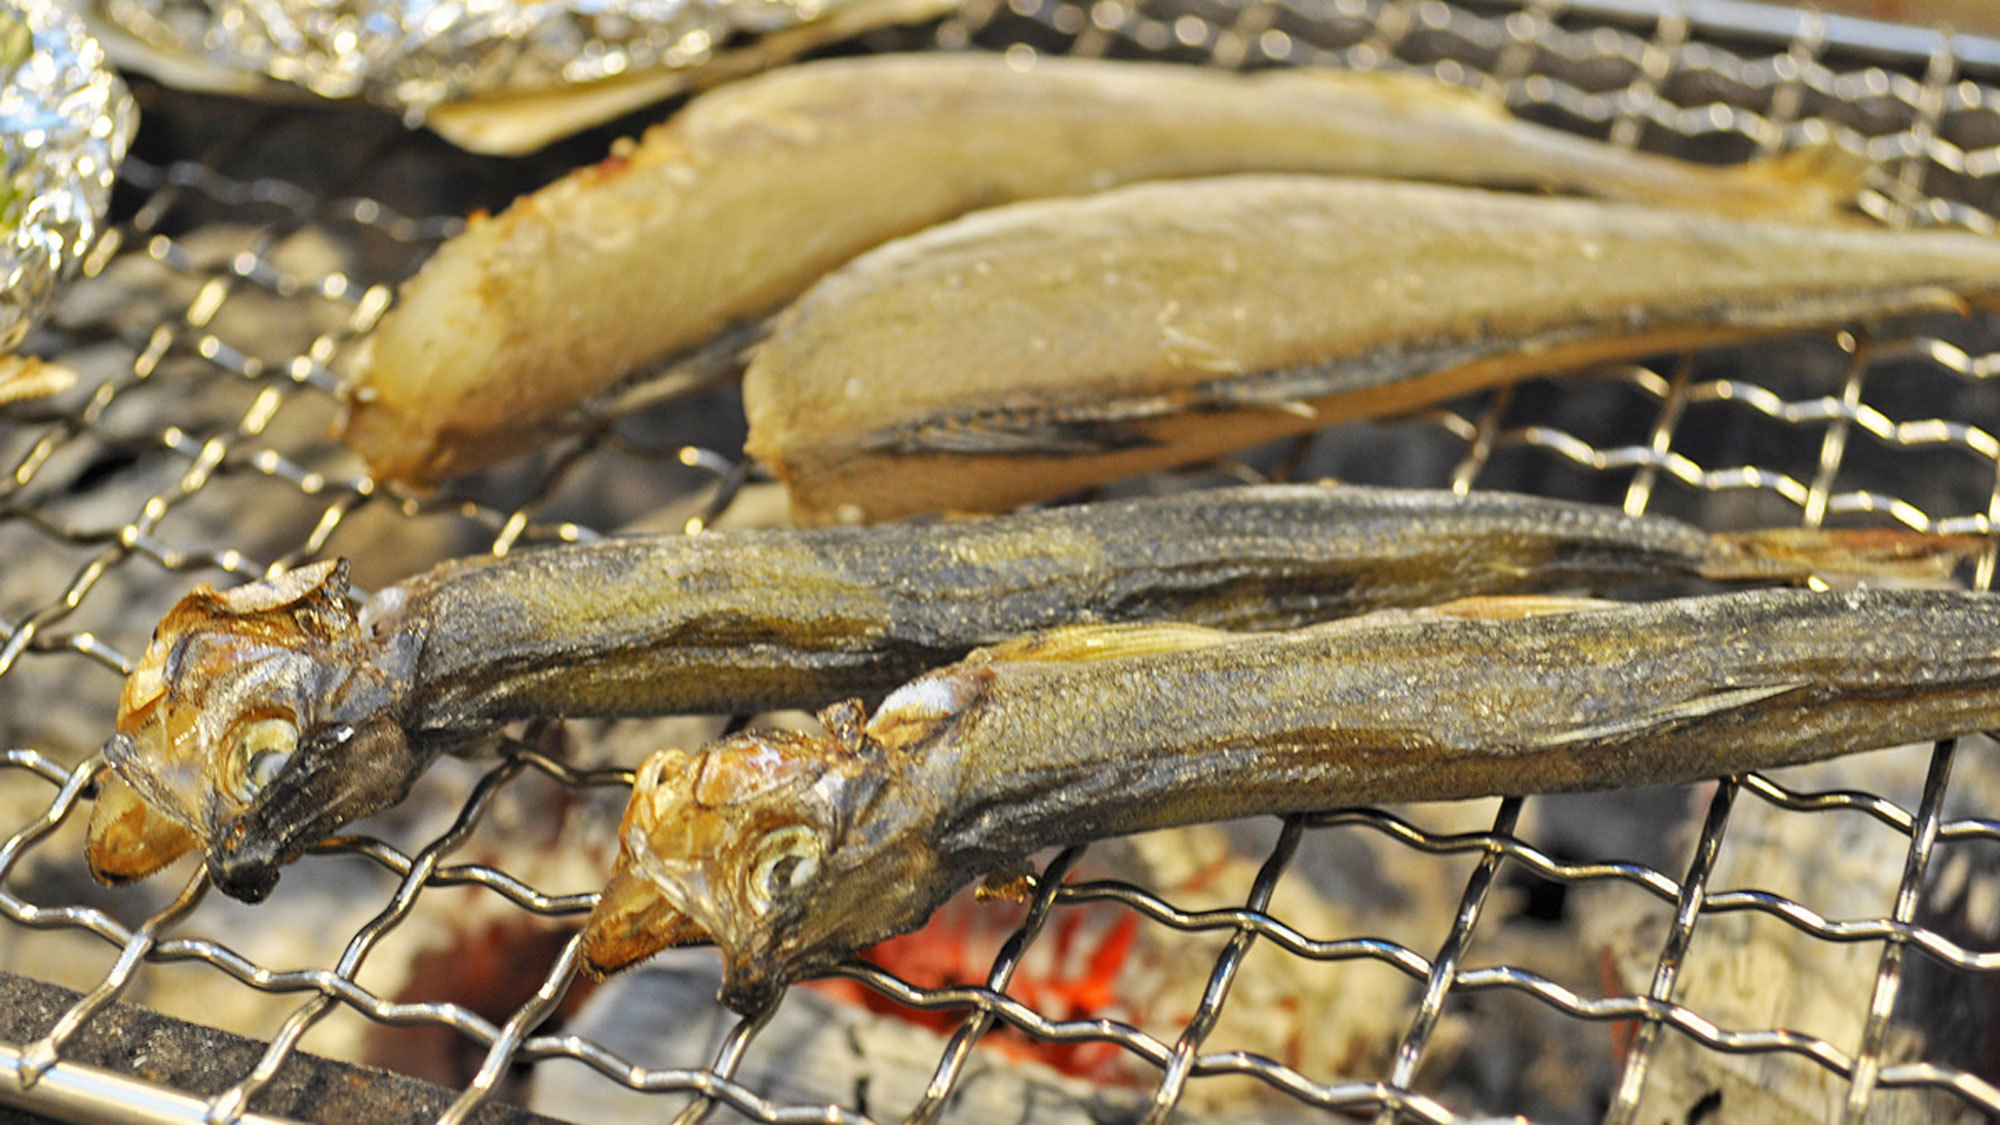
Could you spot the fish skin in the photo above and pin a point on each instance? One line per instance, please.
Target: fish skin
(527, 321)
(1026, 352)
(377, 690)
(1097, 731)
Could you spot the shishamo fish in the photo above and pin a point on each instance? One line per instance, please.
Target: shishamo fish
(1029, 351)
(675, 246)
(262, 718)
(790, 851)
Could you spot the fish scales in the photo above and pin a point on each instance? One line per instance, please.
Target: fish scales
(791, 851)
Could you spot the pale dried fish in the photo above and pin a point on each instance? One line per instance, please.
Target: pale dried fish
(1029, 351)
(791, 851)
(497, 76)
(672, 248)
(262, 718)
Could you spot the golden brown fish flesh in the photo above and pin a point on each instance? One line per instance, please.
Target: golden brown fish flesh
(791, 851)
(1029, 351)
(262, 718)
(675, 246)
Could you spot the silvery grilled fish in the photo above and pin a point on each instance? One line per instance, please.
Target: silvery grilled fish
(1026, 352)
(671, 251)
(262, 718)
(790, 851)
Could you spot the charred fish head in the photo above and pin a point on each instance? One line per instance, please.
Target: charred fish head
(787, 851)
(238, 731)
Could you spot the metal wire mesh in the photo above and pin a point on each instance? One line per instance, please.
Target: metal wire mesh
(255, 244)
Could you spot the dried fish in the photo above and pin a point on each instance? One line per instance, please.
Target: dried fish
(262, 718)
(1025, 352)
(489, 76)
(790, 851)
(669, 251)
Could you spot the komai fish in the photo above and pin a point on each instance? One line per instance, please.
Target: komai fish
(1029, 351)
(262, 718)
(505, 78)
(671, 251)
(790, 851)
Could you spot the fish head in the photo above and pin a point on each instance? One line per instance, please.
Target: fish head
(768, 844)
(237, 704)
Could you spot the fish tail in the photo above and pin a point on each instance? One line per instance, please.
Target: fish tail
(1796, 553)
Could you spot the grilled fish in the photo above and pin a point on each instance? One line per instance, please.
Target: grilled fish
(674, 247)
(1028, 351)
(262, 718)
(790, 851)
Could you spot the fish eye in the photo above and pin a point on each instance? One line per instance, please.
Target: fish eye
(259, 754)
(788, 858)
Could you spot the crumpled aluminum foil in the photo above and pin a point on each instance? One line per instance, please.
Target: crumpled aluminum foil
(65, 121)
(416, 54)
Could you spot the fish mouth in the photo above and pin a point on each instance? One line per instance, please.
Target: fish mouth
(331, 782)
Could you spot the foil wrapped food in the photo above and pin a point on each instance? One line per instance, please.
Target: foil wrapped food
(65, 121)
(535, 69)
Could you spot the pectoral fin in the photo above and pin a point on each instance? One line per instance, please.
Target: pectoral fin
(1023, 435)
(1515, 607)
(1868, 553)
(1672, 715)
(1103, 642)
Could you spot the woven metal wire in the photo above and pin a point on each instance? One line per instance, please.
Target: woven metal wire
(255, 244)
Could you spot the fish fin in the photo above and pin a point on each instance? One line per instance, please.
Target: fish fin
(1674, 714)
(1082, 643)
(845, 722)
(1823, 178)
(1237, 396)
(1514, 607)
(1028, 435)
(1797, 553)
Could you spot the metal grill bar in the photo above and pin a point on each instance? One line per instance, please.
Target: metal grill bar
(1687, 911)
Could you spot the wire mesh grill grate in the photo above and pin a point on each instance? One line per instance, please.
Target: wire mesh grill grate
(258, 243)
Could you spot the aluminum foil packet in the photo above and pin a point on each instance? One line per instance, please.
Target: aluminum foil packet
(65, 121)
(415, 56)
